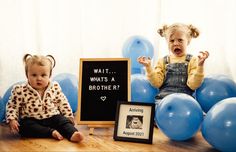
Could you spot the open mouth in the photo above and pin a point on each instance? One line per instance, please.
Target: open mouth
(177, 51)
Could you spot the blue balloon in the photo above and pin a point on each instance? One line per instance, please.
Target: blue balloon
(142, 90)
(69, 86)
(138, 70)
(5, 99)
(135, 70)
(179, 116)
(214, 89)
(137, 46)
(219, 125)
(2, 110)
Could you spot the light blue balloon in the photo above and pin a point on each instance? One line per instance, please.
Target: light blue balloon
(179, 116)
(138, 70)
(214, 89)
(135, 70)
(6, 97)
(137, 46)
(219, 125)
(142, 90)
(69, 86)
(2, 110)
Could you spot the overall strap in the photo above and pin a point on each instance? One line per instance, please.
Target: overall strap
(166, 59)
(188, 57)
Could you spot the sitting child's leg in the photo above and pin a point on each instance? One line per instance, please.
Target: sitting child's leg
(30, 127)
(77, 137)
(57, 135)
(67, 129)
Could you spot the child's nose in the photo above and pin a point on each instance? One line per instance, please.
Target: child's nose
(39, 78)
(176, 42)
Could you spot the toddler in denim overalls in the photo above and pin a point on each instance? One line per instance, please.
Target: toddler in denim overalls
(177, 72)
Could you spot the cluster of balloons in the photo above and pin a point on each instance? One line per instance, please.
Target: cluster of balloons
(217, 97)
(180, 116)
(141, 89)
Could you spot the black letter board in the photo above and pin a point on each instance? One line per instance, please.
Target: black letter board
(102, 82)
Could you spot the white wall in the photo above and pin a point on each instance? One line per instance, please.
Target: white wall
(74, 29)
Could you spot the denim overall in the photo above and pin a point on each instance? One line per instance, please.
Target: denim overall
(176, 79)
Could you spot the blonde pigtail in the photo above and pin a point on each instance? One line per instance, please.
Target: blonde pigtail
(26, 57)
(162, 31)
(194, 32)
(52, 60)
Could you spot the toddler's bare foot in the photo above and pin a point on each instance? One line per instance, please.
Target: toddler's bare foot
(57, 135)
(77, 137)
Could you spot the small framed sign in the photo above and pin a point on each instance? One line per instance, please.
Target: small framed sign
(134, 122)
(103, 82)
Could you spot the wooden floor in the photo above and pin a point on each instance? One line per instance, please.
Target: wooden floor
(101, 140)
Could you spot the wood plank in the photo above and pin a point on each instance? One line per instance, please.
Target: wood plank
(101, 140)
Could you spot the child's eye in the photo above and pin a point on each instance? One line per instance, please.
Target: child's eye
(44, 75)
(180, 40)
(172, 41)
(34, 75)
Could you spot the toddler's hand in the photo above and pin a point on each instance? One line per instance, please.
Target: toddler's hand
(14, 126)
(203, 55)
(146, 61)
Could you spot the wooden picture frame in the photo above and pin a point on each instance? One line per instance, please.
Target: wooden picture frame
(102, 83)
(134, 122)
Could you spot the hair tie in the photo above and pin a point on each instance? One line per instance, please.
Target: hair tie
(26, 56)
(52, 60)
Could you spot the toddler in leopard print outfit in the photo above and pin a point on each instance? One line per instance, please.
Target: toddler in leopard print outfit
(38, 108)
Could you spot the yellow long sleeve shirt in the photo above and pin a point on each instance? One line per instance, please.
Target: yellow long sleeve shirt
(156, 75)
